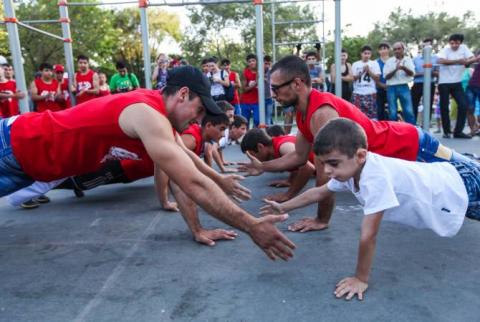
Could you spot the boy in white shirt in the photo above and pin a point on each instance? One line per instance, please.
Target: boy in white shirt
(436, 196)
(366, 73)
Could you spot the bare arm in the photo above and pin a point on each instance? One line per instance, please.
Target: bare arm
(349, 76)
(142, 122)
(161, 185)
(155, 73)
(366, 250)
(96, 86)
(34, 93)
(238, 83)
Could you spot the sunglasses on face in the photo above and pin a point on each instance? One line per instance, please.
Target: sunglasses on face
(276, 88)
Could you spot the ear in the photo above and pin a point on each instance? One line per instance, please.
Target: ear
(183, 93)
(260, 147)
(361, 155)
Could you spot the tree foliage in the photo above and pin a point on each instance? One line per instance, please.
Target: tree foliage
(412, 29)
(228, 30)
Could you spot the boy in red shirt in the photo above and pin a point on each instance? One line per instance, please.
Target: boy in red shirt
(46, 90)
(263, 147)
(86, 81)
(249, 98)
(9, 95)
(64, 98)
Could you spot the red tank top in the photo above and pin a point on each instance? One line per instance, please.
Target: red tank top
(8, 106)
(196, 131)
(104, 92)
(43, 89)
(232, 77)
(56, 145)
(250, 97)
(84, 82)
(138, 169)
(391, 139)
(278, 141)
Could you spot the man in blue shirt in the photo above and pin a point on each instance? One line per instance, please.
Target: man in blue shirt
(417, 88)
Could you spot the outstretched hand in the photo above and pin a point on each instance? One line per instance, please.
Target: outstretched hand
(170, 206)
(254, 168)
(270, 239)
(350, 286)
(231, 186)
(271, 208)
(208, 237)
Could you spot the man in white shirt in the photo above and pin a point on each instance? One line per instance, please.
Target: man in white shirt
(399, 71)
(218, 80)
(453, 59)
(366, 73)
(435, 196)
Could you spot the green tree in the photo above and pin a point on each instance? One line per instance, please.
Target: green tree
(228, 31)
(412, 29)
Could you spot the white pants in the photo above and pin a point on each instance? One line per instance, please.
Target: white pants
(37, 189)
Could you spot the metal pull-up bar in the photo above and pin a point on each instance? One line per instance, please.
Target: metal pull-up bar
(298, 43)
(296, 22)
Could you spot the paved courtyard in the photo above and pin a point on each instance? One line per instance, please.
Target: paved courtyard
(114, 256)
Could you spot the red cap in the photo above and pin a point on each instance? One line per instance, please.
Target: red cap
(58, 68)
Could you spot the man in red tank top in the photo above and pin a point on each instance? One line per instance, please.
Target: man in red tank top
(54, 145)
(9, 95)
(263, 147)
(235, 81)
(291, 85)
(64, 98)
(86, 81)
(45, 90)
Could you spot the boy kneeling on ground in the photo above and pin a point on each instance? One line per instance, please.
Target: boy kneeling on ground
(435, 196)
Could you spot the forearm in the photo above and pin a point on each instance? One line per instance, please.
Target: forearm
(299, 179)
(218, 159)
(161, 184)
(289, 161)
(308, 197)
(202, 190)
(366, 251)
(188, 209)
(390, 75)
(203, 167)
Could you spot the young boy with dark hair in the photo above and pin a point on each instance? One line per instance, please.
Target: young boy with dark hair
(434, 196)
(259, 144)
(238, 128)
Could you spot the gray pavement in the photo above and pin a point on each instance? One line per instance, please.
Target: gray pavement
(114, 256)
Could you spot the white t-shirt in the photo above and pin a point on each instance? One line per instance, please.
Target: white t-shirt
(365, 85)
(216, 88)
(422, 195)
(400, 77)
(453, 73)
(224, 141)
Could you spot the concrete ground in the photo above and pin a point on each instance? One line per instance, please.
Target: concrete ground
(114, 256)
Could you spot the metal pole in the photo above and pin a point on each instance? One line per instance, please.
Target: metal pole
(274, 51)
(43, 32)
(323, 48)
(143, 4)
(67, 47)
(260, 67)
(427, 86)
(338, 50)
(14, 43)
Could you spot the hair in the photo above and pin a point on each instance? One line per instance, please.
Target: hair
(225, 62)
(254, 137)
(428, 39)
(6, 65)
(267, 58)
(291, 67)
(212, 60)
(238, 121)
(82, 57)
(45, 66)
(342, 135)
(383, 45)
(344, 51)
(215, 119)
(310, 54)
(204, 61)
(456, 37)
(170, 90)
(251, 56)
(120, 65)
(366, 47)
(224, 106)
(275, 130)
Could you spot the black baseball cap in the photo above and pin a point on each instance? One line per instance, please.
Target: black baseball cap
(193, 78)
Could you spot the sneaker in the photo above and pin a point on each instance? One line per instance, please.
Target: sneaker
(461, 136)
(30, 204)
(447, 135)
(42, 199)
